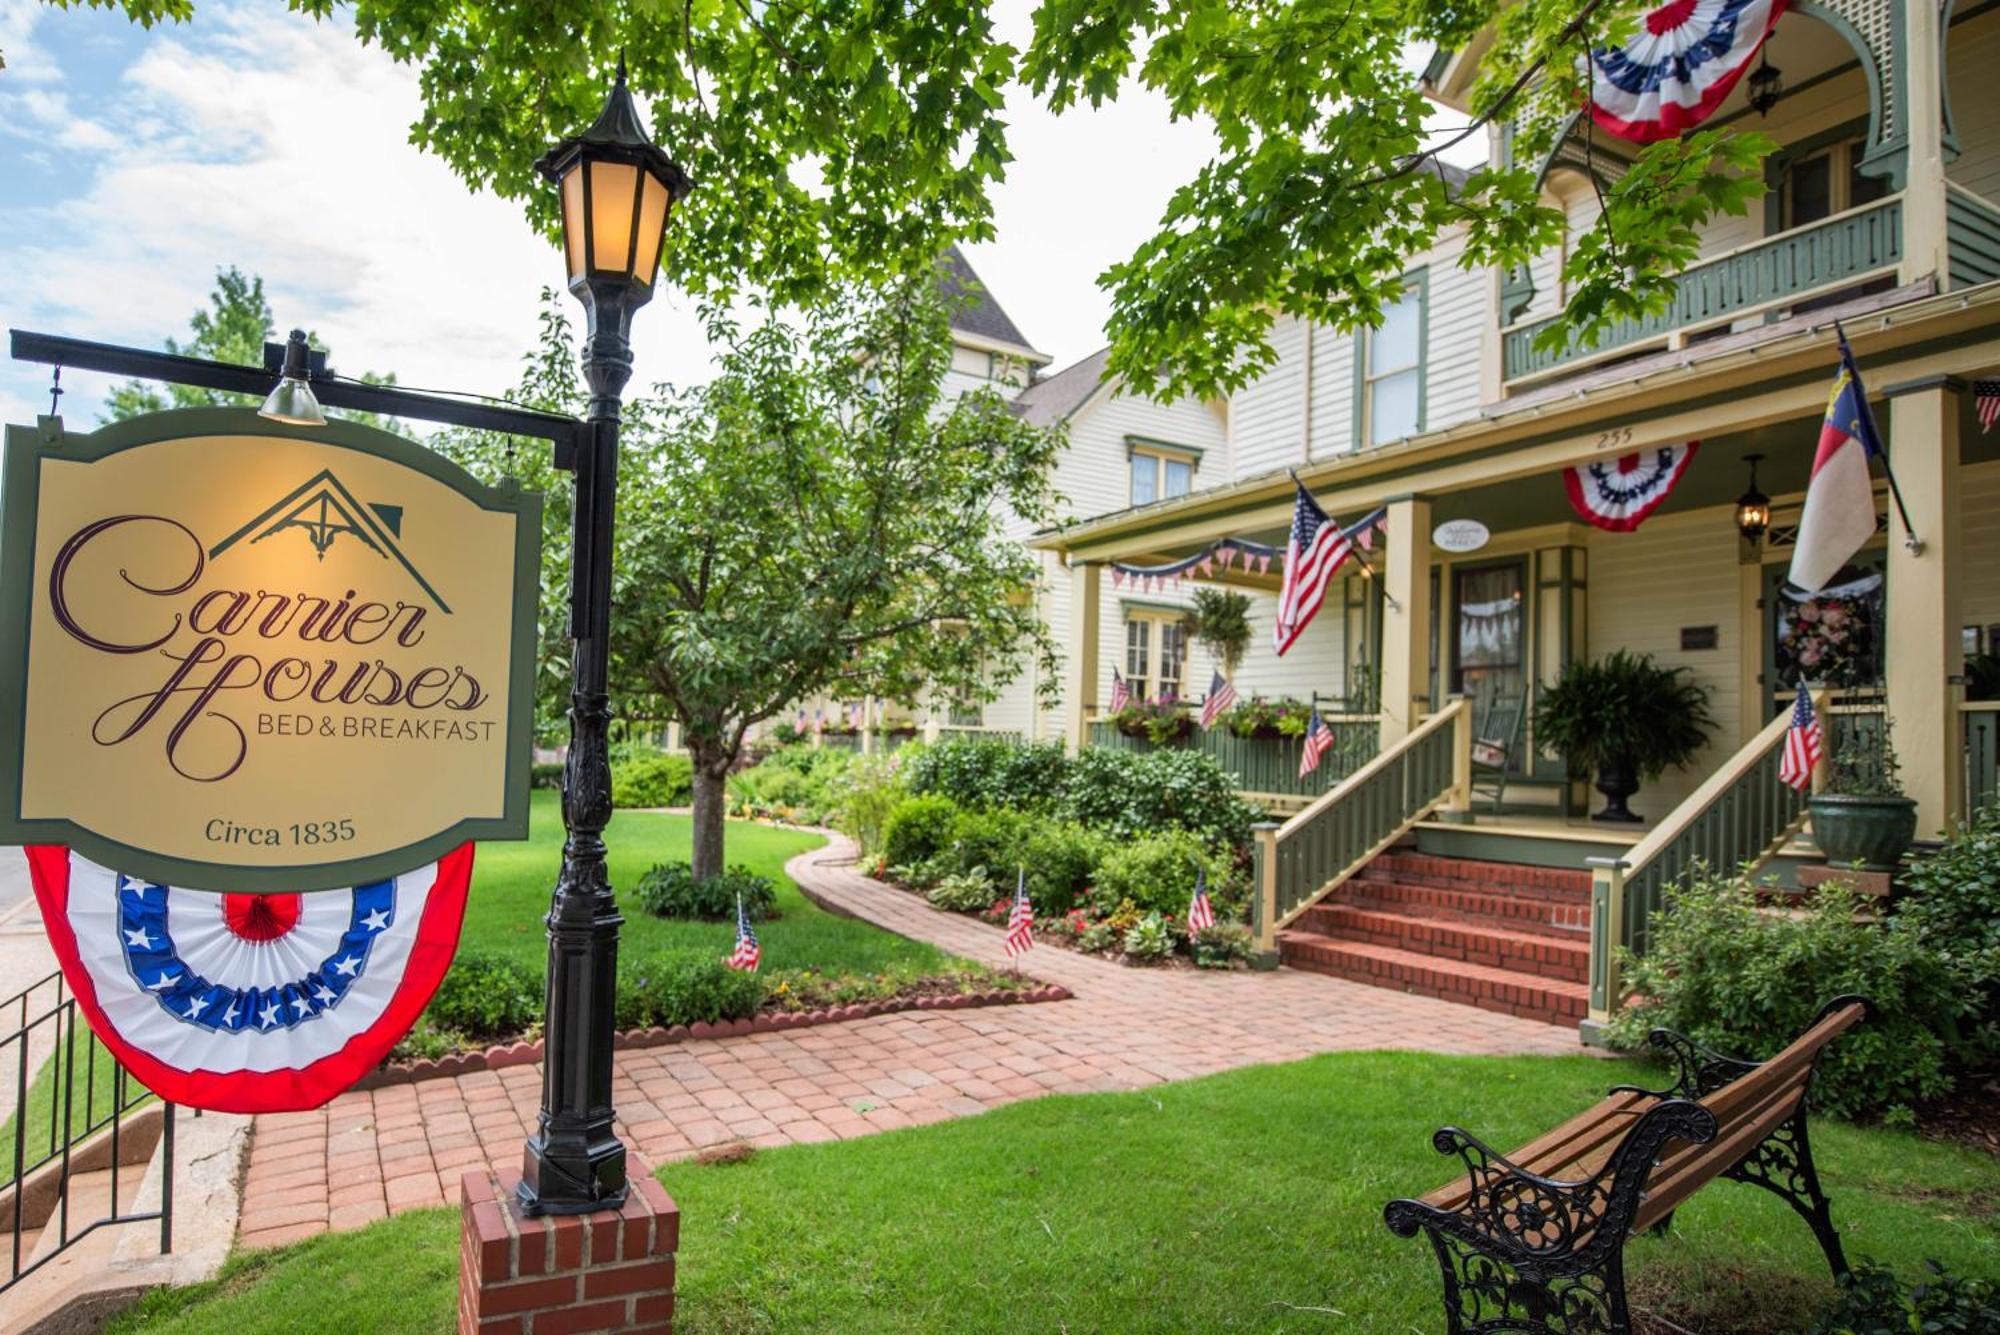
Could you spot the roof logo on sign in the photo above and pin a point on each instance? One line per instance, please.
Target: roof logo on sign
(325, 511)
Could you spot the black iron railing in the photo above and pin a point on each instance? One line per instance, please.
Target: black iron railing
(71, 1111)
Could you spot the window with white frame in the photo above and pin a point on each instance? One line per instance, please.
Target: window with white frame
(1155, 653)
(1392, 377)
(1160, 473)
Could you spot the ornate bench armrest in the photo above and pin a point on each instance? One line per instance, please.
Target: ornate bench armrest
(1525, 1218)
(1702, 1071)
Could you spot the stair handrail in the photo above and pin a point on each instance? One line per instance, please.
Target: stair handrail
(1772, 813)
(1347, 845)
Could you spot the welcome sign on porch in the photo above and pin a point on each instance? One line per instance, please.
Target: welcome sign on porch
(263, 687)
(245, 656)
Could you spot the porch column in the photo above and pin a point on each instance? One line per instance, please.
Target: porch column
(1406, 616)
(1920, 52)
(1922, 631)
(1080, 668)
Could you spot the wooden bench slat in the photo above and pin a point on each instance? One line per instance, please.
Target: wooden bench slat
(1554, 1153)
(1684, 1174)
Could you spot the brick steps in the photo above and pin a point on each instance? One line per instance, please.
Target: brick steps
(1562, 919)
(1523, 952)
(1505, 938)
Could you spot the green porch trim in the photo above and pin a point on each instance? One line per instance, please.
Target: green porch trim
(1972, 238)
(1848, 246)
(1264, 765)
(1133, 444)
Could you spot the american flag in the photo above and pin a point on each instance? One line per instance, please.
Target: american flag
(1986, 397)
(1319, 740)
(1316, 549)
(1221, 695)
(857, 715)
(1804, 744)
(1200, 912)
(1021, 918)
(1121, 694)
(747, 951)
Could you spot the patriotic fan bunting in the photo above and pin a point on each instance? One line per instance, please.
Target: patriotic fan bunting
(1618, 494)
(250, 1003)
(1678, 67)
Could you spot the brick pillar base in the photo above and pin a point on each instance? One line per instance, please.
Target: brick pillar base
(554, 1274)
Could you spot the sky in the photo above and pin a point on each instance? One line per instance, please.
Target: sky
(134, 164)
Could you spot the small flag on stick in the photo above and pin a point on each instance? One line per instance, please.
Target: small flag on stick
(747, 951)
(1319, 740)
(1021, 919)
(1805, 744)
(1200, 912)
(1221, 696)
(1121, 694)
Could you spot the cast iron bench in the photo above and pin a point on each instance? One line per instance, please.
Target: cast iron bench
(1535, 1240)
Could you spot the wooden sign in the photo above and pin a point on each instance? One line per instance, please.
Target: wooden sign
(245, 656)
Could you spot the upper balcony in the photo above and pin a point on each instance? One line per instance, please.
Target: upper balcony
(1840, 220)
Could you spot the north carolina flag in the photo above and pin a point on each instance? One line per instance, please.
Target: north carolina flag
(1840, 498)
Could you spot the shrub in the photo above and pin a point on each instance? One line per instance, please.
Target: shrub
(1149, 939)
(545, 774)
(669, 890)
(1062, 858)
(1952, 905)
(1874, 1302)
(983, 772)
(684, 986)
(875, 787)
(1130, 793)
(917, 829)
(995, 839)
(648, 778)
(1156, 873)
(1744, 982)
(963, 892)
(1097, 938)
(1222, 946)
(485, 996)
(801, 783)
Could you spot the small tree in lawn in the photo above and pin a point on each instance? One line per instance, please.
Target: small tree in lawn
(816, 521)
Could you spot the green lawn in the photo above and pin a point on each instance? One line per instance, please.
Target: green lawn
(511, 884)
(1250, 1200)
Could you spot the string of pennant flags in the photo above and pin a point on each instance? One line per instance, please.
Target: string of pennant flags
(1224, 555)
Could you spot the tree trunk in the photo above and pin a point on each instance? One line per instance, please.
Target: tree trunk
(711, 773)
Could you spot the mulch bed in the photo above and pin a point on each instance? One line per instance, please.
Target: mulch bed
(1970, 1116)
(924, 995)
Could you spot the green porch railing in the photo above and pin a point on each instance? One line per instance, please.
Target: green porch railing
(1980, 723)
(1268, 766)
(1301, 861)
(1739, 817)
(1972, 236)
(1860, 243)
(1010, 735)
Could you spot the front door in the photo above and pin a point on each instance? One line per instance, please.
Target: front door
(1830, 638)
(1488, 659)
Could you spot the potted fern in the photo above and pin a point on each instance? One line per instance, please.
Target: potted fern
(1625, 717)
(1220, 622)
(1863, 818)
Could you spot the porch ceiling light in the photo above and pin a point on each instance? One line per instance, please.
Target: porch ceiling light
(1767, 84)
(1753, 507)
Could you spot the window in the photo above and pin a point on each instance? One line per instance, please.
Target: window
(1392, 371)
(1826, 181)
(1155, 653)
(1161, 472)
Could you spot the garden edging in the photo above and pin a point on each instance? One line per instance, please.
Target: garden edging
(524, 1053)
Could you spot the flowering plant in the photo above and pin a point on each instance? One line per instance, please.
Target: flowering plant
(1160, 721)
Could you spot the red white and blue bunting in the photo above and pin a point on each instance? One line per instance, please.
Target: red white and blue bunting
(250, 1003)
(1618, 494)
(1677, 69)
(1228, 554)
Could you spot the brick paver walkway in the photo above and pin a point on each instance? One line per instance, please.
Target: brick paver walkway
(401, 1147)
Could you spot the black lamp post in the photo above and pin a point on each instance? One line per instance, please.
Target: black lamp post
(617, 189)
